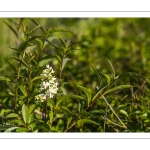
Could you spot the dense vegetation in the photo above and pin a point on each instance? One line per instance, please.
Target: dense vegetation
(101, 66)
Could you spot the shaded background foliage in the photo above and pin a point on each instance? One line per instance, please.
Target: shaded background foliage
(124, 41)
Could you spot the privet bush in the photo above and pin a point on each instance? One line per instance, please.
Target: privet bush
(37, 96)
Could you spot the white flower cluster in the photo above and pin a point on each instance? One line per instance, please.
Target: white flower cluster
(48, 85)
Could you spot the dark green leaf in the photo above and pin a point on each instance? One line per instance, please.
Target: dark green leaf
(98, 76)
(60, 125)
(63, 42)
(67, 110)
(99, 93)
(87, 92)
(25, 113)
(31, 108)
(11, 28)
(89, 121)
(21, 61)
(129, 74)
(110, 66)
(23, 90)
(118, 88)
(38, 77)
(68, 97)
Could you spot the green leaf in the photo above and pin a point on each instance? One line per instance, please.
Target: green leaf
(11, 28)
(34, 38)
(97, 112)
(51, 117)
(21, 61)
(64, 62)
(89, 121)
(30, 118)
(4, 78)
(31, 108)
(35, 22)
(98, 76)
(69, 119)
(106, 77)
(10, 64)
(123, 112)
(63, 42)
(13, 115)
(44, 127)
(23, 90)
(98, 93)
(11, 129)
(87, 92)
(110, 66)
(59, 59)
(38, 77)
(21, 129)
(67, 110)
(40, 43)
(25, 113)
(68, 97)
(129, 74)
(49, 40)
(60, 125)
(30, 49)
(34, 29)
(118, 88)
(16, 121)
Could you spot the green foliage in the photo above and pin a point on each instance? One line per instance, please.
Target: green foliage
(111, 96)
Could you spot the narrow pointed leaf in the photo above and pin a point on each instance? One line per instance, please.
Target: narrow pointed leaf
(87, 92)
(118, 88)
(31, 108)
(21, 61)
(23, 90)
(69, 97)
(88, 121)
(67, 110)
(12, 29)
(129, 74)
(110, 66)
(98, 76)
(4, 78)
(38, 77)
(98, 93)
(106, 77)
(64, 62)
(63, 42)
(35, 28)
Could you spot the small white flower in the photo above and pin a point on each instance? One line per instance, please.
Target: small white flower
(48, 85)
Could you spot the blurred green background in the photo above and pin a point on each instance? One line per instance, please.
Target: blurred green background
(124, 41)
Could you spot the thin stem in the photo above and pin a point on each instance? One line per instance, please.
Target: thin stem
(105, 117)
(113, 122)
(113, 111)
(45, 110)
